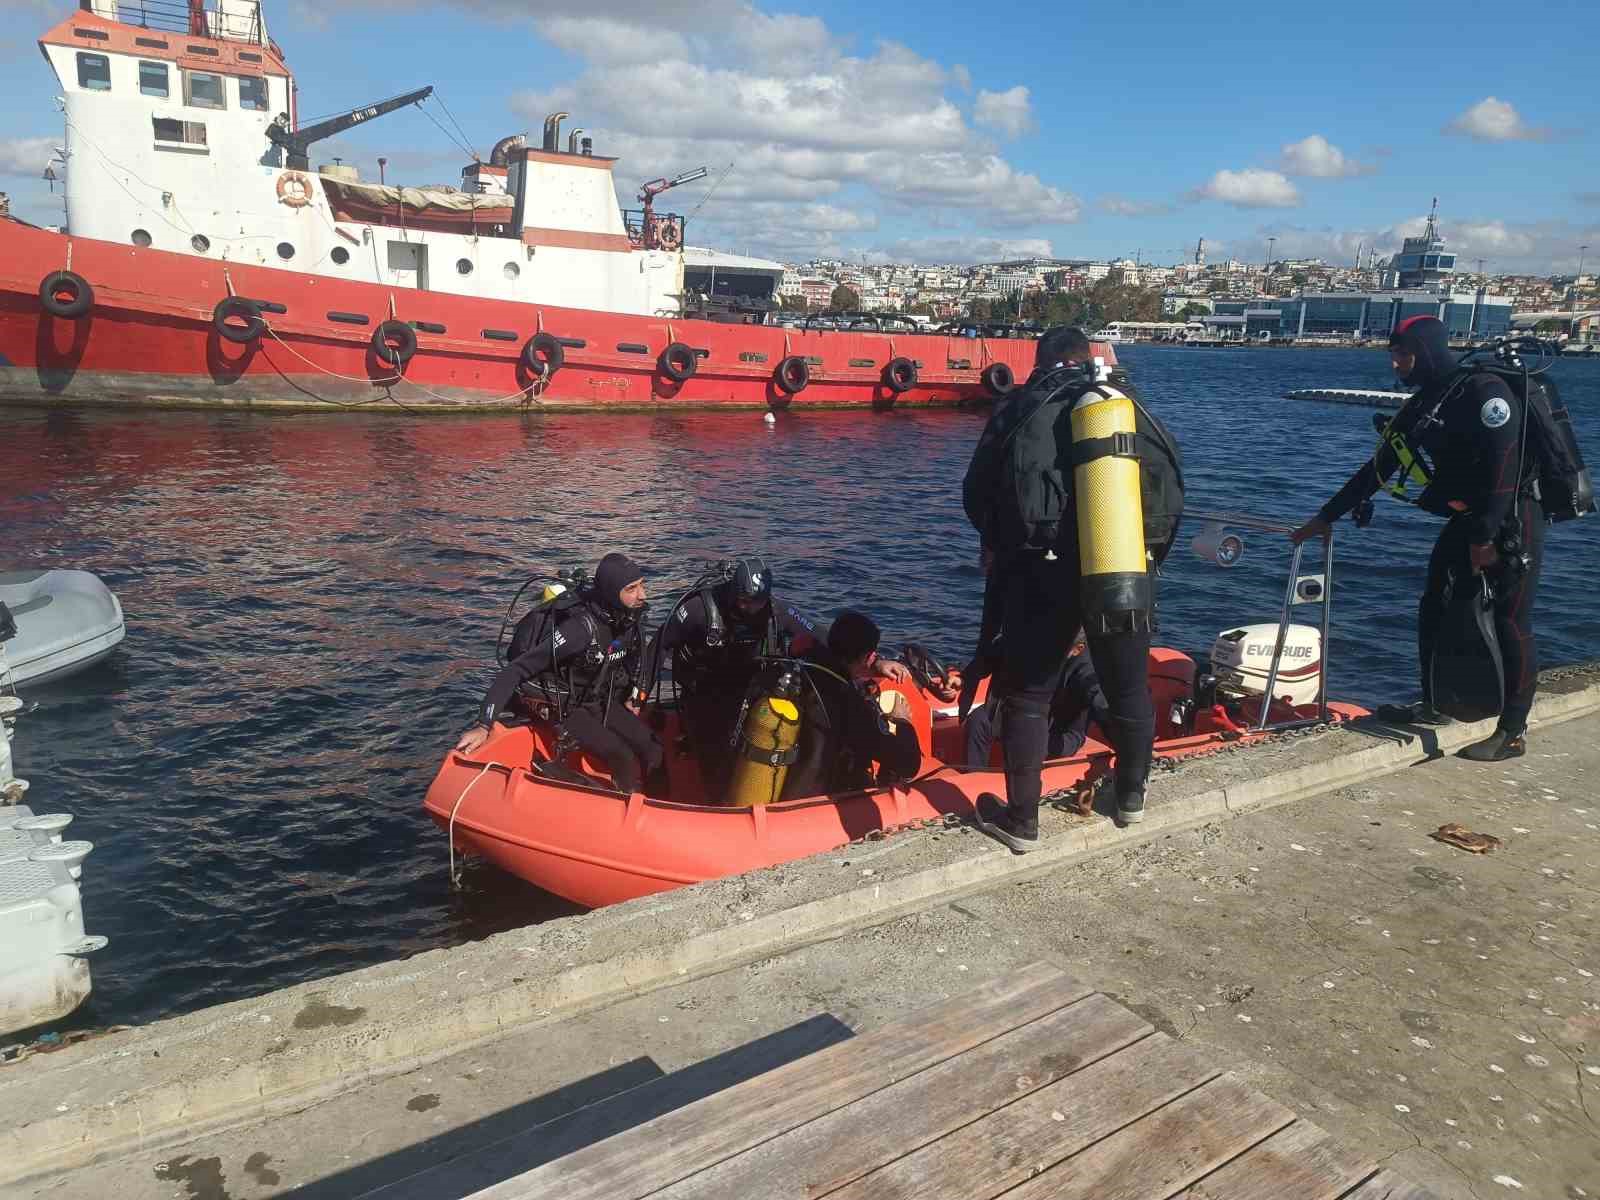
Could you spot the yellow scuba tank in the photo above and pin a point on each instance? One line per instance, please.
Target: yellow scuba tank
(1115, 587)
(767, 745)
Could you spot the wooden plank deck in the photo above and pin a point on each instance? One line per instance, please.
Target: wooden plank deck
(1029, 1087)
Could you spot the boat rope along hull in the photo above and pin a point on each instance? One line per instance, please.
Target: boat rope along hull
(150, 337)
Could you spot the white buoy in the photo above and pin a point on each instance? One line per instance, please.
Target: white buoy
(770, 419)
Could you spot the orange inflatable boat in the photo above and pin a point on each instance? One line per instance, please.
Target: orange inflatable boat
(595, 846)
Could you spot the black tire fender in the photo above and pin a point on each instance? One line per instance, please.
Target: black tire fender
(900, 375)
(543, 355)
(678, 362)
(66, 294)
(395, 343)
(236, 308)
(793, 375)
(998, 379)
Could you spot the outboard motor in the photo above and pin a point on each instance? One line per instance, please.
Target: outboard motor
(1241, 661)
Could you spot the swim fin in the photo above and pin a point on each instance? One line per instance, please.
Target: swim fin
(1467, 673)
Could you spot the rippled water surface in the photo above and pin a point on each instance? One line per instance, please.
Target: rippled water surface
(312, 602)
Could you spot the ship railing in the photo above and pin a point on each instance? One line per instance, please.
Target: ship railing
(173, 16)
(655, 231)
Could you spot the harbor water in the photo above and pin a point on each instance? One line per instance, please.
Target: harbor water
(312, 604)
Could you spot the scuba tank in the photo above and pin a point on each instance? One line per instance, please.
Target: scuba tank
(768, 743)
(1115, 586)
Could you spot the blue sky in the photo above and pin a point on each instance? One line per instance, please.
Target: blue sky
(942, 131)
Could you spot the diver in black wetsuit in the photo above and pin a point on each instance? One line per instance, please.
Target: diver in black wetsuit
(591, 660)
(715, 639)
(844, 732)
(1077, 702)
(1031, 600)
(1468, 424)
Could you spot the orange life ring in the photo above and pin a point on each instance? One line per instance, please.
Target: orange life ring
(294, 189)
(668, 236)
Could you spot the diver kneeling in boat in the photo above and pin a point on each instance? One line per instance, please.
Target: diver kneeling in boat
(843, 731)
(1078, 700)
(717, 637)
(588, 657)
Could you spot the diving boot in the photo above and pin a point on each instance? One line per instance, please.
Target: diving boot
(1130, 808)
(1497, 747)
(1419, 712)
(996, 820)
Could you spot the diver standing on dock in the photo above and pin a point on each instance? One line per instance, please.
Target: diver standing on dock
(1054, 490)
(1469, 425)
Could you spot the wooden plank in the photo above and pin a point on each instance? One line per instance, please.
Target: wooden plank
(849, 1142)
(1386, 1185)
(1301, 1161)
(1166, 1151)
(589, 1119)
(984, 1159)
(661, 1152)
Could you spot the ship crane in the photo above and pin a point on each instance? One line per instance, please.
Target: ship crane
(297, 142)
(664, 234)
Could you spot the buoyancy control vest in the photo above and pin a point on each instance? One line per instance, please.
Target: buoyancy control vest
(594, 671)
(1019, 486)
(1553, 468)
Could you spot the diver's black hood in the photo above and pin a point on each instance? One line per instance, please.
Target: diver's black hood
(615, 572)
(1429, 341)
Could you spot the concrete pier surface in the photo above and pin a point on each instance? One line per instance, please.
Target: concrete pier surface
(1283, 907)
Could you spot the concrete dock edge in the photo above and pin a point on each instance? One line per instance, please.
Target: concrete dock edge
(286, 1050)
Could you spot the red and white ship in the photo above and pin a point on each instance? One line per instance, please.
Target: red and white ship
(204, 263)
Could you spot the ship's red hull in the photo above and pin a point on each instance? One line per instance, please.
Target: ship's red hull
(149, 339)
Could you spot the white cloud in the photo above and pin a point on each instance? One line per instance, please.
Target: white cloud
(1010, 111)
(1319, 158)
(1495, 120)
(1122, 206)
(26, 156)
(1253, 187)
(801, 113)
(962, 250)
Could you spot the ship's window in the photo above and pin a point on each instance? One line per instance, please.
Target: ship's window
(513, 271)
(340, 255)
(186, 133)
(141, 238)
(94, 72)
(153, 43)
(200, 242)
(463, 266)
(285, 251)
(204, 90)
(253, 94)
(246, 56)
(153, 79)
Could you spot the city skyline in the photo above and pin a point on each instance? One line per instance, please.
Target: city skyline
(895, 134)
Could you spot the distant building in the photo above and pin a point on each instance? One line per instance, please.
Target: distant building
(1423, 264)
(1356, 315)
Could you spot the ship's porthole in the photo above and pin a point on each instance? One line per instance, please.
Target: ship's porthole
(285, 251)
(513, 271)
(463, 266)
(200, 242)
(141, 238)
(340, 255)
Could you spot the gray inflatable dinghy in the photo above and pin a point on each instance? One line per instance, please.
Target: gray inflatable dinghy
(65, 621)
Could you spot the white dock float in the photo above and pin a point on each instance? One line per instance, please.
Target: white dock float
(1362, 397)
(44, 969)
